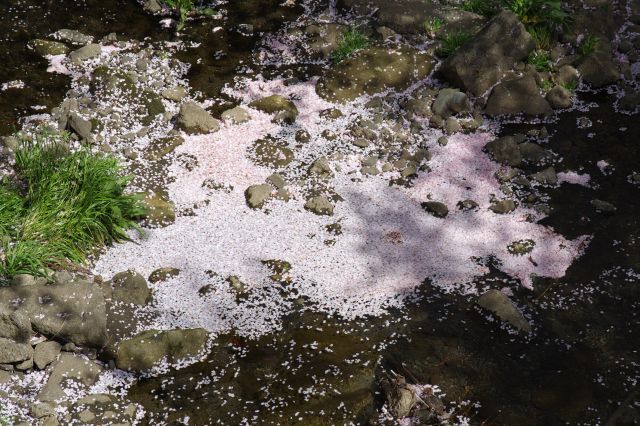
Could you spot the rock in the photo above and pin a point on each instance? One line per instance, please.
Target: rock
(319, 205)
(104, 409)
(12, 352)
(498, 303)
(71, 311)
(152, 6)
(160, 148)
(467, 205)
(277, 181)
(400, 396)
(603, 206)
(321, 168)
(502, 206)
(482, 62)
(159, 212)
(45, 353)
(323, 38)
(436, 208)
(598, 69)
(48, 48)
(361, 142)
(69, 371)
(374, 70)
(73, 37)
(237, 115)
(532, 152)
(25, 365)
(451, 126)
(85, 53)
(567, 75)
(149, 348)
(131, 288)
(163, 274)
(450, 102)
(331, 113)
(284, 109)
(257, 195)
(175, 94)
(370, 170)
(520, 95)
(15, 326)
(546, 177)
(271, 152)
(80, 126)
(443, 141)
(192, 118)
(504, 150)
(559, 97)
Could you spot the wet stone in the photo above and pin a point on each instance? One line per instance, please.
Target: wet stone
(500, 304)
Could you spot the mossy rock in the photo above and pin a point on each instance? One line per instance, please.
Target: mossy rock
(112, 82)
(153, 103)
(162, 147)
(271, 153)
(47, 47)
(521, 247)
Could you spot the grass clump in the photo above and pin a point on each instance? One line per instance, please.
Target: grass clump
(540, 60)
(539, 13)
(351, 41)
(570, 85)
(452, 42)
(61, 205)
(487, 8)
(431, 26)
(184, 8)
(588, 45)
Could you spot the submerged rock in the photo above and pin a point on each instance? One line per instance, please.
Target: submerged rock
(482, 62)
(149, 348)
(374, 70)
(72, 37)
(192, 118)
(283, 109)
(517, 96)
(47, 47)
(498, 303)
(603, 206)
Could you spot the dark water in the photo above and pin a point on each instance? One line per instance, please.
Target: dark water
(579, 365)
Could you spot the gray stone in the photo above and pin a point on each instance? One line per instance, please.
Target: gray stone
(498, 303)
(47, 47)
(443, 141)
(277, 181)
(25, 365)
(85, 53)
(72, 311)
(69, 371)
(319, 205)
(547, 176)
(257, 195)
(147, 349)
(435, 208)
(361, 142)
(451, 126)
(567, 75)
(15, 326)
(237, 115)
(502, 206)
(369, 170)
(159, 211)
(45, 353)
(192, 118)
(12, 352)
(450, 102)
(374, 70)
(175, 94)
(603, 206)
(533, 153)
(559, 97)
(152, 6)
(504, 150)
(72, 36)
(520, 95)
(131, 288)
(479, 64)
(283, 109)
(321, 168)
(598, 69)
(79, 125)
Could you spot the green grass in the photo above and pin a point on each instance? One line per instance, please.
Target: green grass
(432, 26)
(588, 45)
(60, 206)
(542, 37)
(350, 42)
(570, 85)
(183, 8)
(546, 85)
(487, 8)
(451, 42)
(540, 60)
(539, 13)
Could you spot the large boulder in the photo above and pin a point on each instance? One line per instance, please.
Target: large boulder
(192, 118)
(482, 62)
(450, 102)
(149, 348)
(70, 310)
(372, 71)
(598, 69)
(518, 96)
(12, 352)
